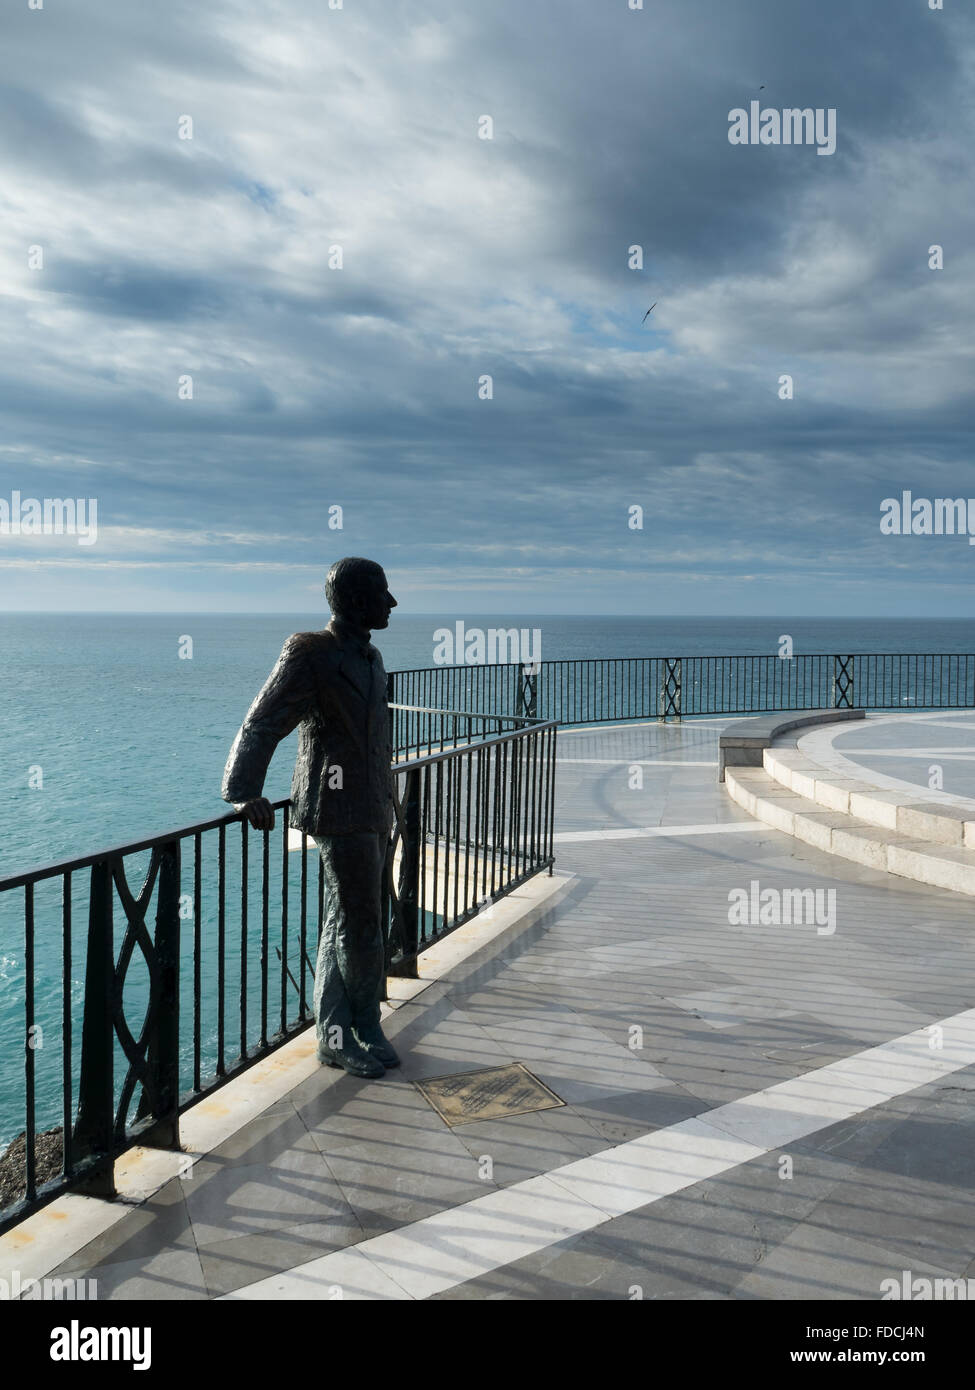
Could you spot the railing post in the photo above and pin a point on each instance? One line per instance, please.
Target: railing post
(841, 695)
(670, 689)
(401, 911)
(162, 1053)
(93, 1136)
(551, 796)
(390, 701)
(529, 689)
(408, 886)
(385, 908)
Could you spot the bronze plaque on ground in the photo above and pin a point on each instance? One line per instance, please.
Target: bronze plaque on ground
(487, 1095)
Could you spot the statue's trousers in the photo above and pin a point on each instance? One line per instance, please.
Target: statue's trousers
(351, 954)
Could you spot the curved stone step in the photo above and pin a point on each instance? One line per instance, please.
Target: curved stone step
(915, 815)
(849, 836)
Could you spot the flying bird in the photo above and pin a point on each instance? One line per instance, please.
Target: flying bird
(649, 311)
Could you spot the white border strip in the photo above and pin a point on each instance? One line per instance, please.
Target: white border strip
(688, 722)
(642, 762)
(566, 837)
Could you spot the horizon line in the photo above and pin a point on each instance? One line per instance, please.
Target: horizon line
(648, 617)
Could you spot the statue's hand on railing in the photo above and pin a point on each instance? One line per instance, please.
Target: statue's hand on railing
(258, 811)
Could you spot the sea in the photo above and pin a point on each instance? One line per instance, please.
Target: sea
(116, 727)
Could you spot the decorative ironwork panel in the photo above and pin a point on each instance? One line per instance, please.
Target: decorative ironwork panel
(843, 682)
(670, 689)
(529, 690)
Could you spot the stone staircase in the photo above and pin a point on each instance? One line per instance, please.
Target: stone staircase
(925, 836)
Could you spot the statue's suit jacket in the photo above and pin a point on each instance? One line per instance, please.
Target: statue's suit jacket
(331, 685)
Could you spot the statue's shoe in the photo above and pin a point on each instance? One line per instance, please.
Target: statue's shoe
(377, 1046)
(355, 1059)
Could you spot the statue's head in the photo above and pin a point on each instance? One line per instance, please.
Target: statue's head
(357, 592)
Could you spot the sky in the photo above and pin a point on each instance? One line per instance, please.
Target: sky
(178, 183)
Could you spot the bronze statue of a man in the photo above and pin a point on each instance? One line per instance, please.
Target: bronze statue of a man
(333, 685)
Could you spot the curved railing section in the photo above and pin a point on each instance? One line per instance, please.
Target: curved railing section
(616, 689)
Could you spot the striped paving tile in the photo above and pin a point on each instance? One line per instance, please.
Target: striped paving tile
(441, 1251)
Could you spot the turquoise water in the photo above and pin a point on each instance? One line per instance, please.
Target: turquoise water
(124, 739)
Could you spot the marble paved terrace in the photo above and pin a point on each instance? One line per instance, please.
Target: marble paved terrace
(909, 747)
(675, 1169)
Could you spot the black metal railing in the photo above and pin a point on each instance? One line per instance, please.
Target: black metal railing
(168, 1012)
(471, 824)
(615, 689)
(198, 981)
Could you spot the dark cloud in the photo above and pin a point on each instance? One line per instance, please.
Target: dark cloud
(464, 258)
(135, 290)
